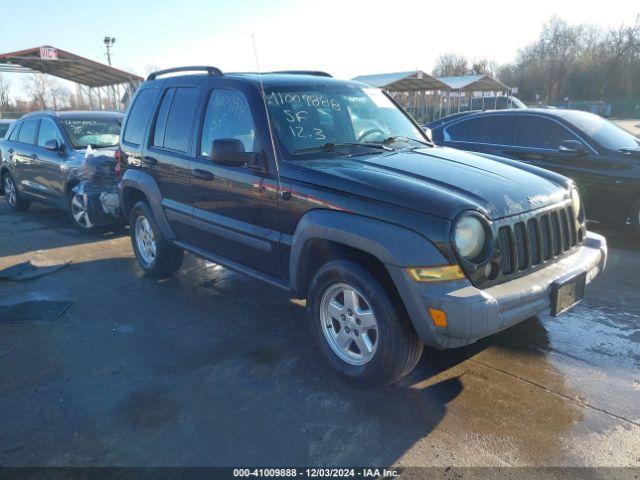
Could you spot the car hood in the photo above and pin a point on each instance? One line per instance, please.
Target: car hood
(441, 181)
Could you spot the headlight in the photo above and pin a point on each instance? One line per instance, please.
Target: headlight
(469, 237)
(575, 202)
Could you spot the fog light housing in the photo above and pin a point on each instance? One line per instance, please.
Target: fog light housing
(441, 273)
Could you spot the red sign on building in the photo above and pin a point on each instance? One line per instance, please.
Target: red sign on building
(48, 53)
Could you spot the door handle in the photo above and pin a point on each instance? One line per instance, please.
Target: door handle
(34, 156)
(203, 174)
(149, 160)
(11, 150)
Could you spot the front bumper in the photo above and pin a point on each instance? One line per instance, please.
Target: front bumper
(473, 313)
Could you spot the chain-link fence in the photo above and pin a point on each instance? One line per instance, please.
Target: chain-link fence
(11, 115)
(620, 109)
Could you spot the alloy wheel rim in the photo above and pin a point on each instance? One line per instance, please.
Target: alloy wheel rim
(9, 191)
(349, 324)
(80, 211)
(145, 240)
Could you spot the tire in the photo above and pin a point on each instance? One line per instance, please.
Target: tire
(156, 257)
(12, 196)
(80, 214)
(391, 350)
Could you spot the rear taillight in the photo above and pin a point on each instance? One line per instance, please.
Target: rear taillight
(118, 167)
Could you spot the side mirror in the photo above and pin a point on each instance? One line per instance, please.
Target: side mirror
(53, 146)
(230, 151)
(572, 146)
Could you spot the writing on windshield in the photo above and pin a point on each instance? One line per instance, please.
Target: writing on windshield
(97, 133)
(308, 118)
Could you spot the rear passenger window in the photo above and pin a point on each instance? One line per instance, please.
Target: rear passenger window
(138, 118)
(28, 131)
(161, 120)
(540, 132)
(178, 128)
(15, 132)
(456, 132)
(228, 116)
(492, 129)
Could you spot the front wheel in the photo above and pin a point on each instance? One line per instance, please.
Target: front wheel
(360, 328)
(156, 257)
(12, 196)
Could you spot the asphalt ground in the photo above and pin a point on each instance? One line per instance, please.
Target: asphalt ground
(210, 368)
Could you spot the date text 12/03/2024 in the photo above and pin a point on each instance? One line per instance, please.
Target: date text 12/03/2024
(316, 472)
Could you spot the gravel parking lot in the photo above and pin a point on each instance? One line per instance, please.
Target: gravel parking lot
(210, 368)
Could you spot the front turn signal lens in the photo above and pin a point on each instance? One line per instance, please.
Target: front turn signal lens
(438, 317)
(436, 274)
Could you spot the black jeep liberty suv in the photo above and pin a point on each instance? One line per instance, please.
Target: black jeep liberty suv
(328, 189)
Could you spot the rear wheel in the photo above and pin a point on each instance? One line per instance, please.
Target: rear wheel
(360, 328)
(154, 254)
(12, 196)
(81, 214)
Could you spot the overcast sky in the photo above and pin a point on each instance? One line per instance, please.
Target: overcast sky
(344, 37)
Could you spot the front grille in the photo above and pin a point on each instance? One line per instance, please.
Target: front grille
(526, 243)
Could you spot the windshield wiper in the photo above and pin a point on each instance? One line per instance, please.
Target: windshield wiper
(401, 138)
(332, 147)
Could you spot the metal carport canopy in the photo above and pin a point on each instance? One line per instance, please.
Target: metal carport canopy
(473, 83)
(414, 81)
(63, 64)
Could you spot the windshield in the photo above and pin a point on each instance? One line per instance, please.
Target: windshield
(312, 121)
(3, 129)
(606, 133)
(99, 133)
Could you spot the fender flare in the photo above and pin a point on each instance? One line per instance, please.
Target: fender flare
(146, 184)
(391, 244)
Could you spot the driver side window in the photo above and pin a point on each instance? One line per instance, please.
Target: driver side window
(48, 131)
(539, 132)
(228, 116)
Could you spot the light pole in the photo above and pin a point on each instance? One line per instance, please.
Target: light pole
(108, 43)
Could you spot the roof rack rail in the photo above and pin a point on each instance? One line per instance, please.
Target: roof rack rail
(213, 71)
(317, 73)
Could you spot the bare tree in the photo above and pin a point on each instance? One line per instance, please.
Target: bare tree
(59, 94)
(483, 66)
(578, 62)
(4, 95)
(450, 64)
(37, 88)
(453, 64)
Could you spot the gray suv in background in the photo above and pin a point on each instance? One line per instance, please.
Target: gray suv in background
(66, 160)
(4, 126)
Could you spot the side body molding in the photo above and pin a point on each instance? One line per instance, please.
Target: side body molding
(391, 244)
(145, 183)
